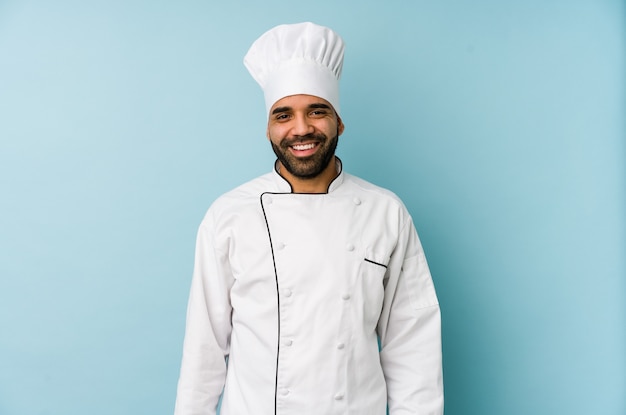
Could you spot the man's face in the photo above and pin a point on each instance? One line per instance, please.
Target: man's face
(303, 131)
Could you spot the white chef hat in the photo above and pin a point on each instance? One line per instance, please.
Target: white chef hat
(293, 59)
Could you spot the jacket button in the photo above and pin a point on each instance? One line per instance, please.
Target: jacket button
(339, 396)
(340, 346)
(346, 296)
(280, 245)
(287, 293)
(357, 201)
(288, 342)
(350, 247)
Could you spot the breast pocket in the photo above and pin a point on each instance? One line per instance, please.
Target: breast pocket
(370, 288)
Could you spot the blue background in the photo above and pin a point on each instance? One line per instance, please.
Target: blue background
(501, 124)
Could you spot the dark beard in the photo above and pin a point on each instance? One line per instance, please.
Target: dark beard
(309, 167)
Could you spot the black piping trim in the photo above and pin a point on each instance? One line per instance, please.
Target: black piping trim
(338, 173)
(269, 235)
(304, 193)
(283, 177)
(375, 263)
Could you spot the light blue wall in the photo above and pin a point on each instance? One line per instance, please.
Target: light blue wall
(501, 124)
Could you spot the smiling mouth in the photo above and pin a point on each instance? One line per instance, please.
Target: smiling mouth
(303, 147)
(304, 150)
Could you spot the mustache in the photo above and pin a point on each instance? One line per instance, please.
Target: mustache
(288, 142)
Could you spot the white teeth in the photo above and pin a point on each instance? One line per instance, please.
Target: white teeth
(301, 147)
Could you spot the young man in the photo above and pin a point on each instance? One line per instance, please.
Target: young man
(311, 293)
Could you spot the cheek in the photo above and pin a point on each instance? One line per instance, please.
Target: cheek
(275, 133)
(272, 137)
(331, 129)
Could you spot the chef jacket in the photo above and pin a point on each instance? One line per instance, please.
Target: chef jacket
(310, 304)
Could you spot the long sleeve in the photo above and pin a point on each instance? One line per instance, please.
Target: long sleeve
(410, 332)
(207, 336)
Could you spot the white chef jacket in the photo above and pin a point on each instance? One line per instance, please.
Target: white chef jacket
(291, 295)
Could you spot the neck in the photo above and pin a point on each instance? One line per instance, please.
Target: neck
(317, 184)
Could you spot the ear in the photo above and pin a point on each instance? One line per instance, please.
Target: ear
(340, 126)
(267, 133)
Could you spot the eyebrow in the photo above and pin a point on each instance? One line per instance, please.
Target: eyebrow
(278, 110)
(320, 105)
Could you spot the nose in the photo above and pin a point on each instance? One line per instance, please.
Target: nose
(301, 126)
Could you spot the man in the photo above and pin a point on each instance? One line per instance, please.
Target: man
(310, 293)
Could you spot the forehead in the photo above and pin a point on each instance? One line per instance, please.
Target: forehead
(300, 101)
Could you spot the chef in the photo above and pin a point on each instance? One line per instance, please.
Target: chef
(310, 293)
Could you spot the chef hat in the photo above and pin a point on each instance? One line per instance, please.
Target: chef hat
(293, 59)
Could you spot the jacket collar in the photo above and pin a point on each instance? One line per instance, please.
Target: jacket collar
(283, 185)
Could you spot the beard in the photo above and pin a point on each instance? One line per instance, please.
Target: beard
(306, 167)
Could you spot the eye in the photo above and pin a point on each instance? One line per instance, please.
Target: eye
(318, 113)
(281, 117)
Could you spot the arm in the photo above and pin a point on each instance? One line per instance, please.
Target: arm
(207, 335)
(410, 332)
